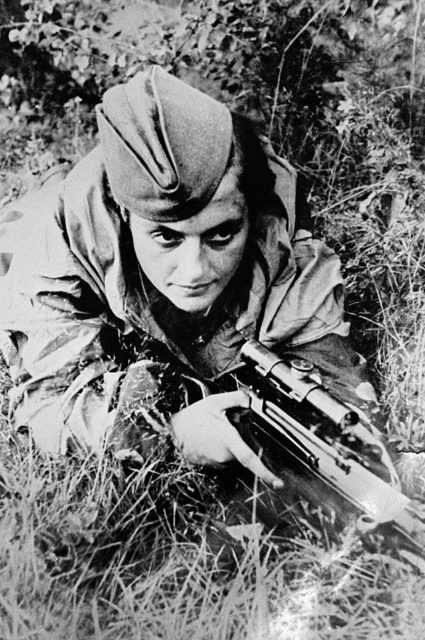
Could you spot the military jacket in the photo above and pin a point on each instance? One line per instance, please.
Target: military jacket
(70, 279)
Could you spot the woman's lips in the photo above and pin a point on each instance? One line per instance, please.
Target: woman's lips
(194, 289)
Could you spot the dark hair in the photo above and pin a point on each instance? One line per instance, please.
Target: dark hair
(255, 178)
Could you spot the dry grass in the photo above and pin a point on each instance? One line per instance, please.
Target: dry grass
(57, 582)
(53, 587)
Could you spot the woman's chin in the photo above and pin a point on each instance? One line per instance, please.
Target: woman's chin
(193, 305)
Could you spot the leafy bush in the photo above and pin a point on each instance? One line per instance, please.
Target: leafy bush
(290, 63)
(277, 59)
(261, 57)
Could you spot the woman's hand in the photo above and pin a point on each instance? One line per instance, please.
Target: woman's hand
(208, 438)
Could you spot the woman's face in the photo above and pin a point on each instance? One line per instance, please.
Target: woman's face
(192, 261)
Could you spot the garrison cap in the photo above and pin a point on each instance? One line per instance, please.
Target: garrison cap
(166, 145)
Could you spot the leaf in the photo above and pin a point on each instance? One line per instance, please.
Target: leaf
(48, 6)
(82, 62)
(365, 204)
(397, 207)
(52, 29)
(245, 533)
(14, 35)
(112, 59)
(122, 60)
(57, 57)
(203, 39)
(352, 29)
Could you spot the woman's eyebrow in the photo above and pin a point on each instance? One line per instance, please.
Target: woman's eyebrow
(233, 224)
(160, 228)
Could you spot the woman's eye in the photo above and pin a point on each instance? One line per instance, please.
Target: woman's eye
(222, 237)
(166, 238)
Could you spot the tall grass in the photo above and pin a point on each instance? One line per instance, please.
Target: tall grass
(63, 575)
(59, 580)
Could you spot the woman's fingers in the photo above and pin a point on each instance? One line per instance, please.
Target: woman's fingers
(228, 400)
(246, 456)
(207, 437)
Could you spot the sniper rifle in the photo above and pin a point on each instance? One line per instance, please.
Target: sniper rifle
(336, 458)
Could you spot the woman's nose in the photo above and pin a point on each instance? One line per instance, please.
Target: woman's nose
(193, 263)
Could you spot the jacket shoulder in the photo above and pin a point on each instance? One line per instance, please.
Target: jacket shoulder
(286, 183)
(88, 174)
(47, 194)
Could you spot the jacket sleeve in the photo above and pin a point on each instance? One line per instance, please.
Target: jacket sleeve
(76, 379)
(149, 392)
(63, 381)
(53, 338)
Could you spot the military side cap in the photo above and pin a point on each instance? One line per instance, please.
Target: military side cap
(166, 145)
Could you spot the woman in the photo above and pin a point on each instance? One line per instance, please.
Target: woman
(173, 242)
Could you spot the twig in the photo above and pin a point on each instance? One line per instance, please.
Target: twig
(396, 88)
(355, 193)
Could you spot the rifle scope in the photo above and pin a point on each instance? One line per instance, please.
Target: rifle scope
(297, 381)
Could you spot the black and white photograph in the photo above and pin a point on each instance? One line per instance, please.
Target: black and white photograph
(212, 319)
